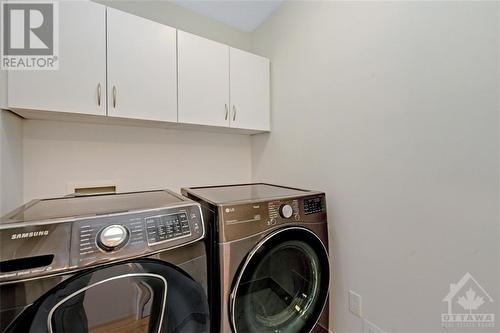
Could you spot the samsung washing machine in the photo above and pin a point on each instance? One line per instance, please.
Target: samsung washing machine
(132, 262)
(269, 258)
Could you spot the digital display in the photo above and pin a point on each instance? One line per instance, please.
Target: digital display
(313, 205)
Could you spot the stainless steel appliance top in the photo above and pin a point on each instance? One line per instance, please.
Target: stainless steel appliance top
(244, 193)
(80, 206)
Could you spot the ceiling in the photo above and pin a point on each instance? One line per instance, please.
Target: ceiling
(243, 15)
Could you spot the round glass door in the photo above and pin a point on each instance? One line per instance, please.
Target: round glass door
(138, 296)
(283, 284)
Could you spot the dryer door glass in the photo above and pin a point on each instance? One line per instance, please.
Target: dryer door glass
(283, 285)
(140, 296)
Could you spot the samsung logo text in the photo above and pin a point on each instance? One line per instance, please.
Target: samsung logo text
(30, 234)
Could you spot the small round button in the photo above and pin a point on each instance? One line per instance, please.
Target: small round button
(286, 211)
(112, 237)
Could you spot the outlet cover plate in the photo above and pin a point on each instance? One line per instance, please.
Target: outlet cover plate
(355, 303)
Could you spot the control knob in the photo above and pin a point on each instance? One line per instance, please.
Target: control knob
(286, 211)
(112, 237)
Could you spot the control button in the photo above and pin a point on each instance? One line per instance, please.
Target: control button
(169, 228)
(151, 228)
(286, 211)
(161, 231)
(177, 228)
(185, 227)
(112, 237)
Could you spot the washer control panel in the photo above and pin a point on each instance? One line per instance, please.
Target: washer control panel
(163, 228)
(127, 235)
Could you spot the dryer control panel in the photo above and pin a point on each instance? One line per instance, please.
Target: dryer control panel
(243, 220)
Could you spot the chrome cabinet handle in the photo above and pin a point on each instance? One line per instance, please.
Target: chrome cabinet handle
(114, 96)
(234, 113)
(99, 94)
(227, 112)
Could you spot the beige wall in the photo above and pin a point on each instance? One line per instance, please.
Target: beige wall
(58, 156)
(3, 89)
(392, 109)
(11, 161)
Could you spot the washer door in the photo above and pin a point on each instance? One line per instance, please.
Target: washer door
(283, 284)
(138, 296)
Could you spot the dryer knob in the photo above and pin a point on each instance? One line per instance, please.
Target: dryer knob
(112, 237)
(286, 211)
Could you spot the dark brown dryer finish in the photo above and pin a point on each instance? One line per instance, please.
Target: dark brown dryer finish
(269, 243)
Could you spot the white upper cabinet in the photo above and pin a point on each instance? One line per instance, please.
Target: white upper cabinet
(79, 86)
(142, 81)
(249, 77)
(203, 81)
(112, 63)
(221, 86)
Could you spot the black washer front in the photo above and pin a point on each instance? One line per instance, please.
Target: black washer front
(143, 295)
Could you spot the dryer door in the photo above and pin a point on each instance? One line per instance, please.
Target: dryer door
(143, 295)
(283, 284)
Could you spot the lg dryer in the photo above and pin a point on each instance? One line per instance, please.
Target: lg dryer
(132, 262)
(269, 256)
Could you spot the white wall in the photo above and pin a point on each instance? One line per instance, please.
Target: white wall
(59, 155)
(391, 108)
(169, 13)
(11, 162)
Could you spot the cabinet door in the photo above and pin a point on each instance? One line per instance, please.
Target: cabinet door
(249, 91)
(79, 85)
(142, 82)
(203, 81)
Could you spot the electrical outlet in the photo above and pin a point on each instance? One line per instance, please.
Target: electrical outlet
(371, 328)
(355, 303)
